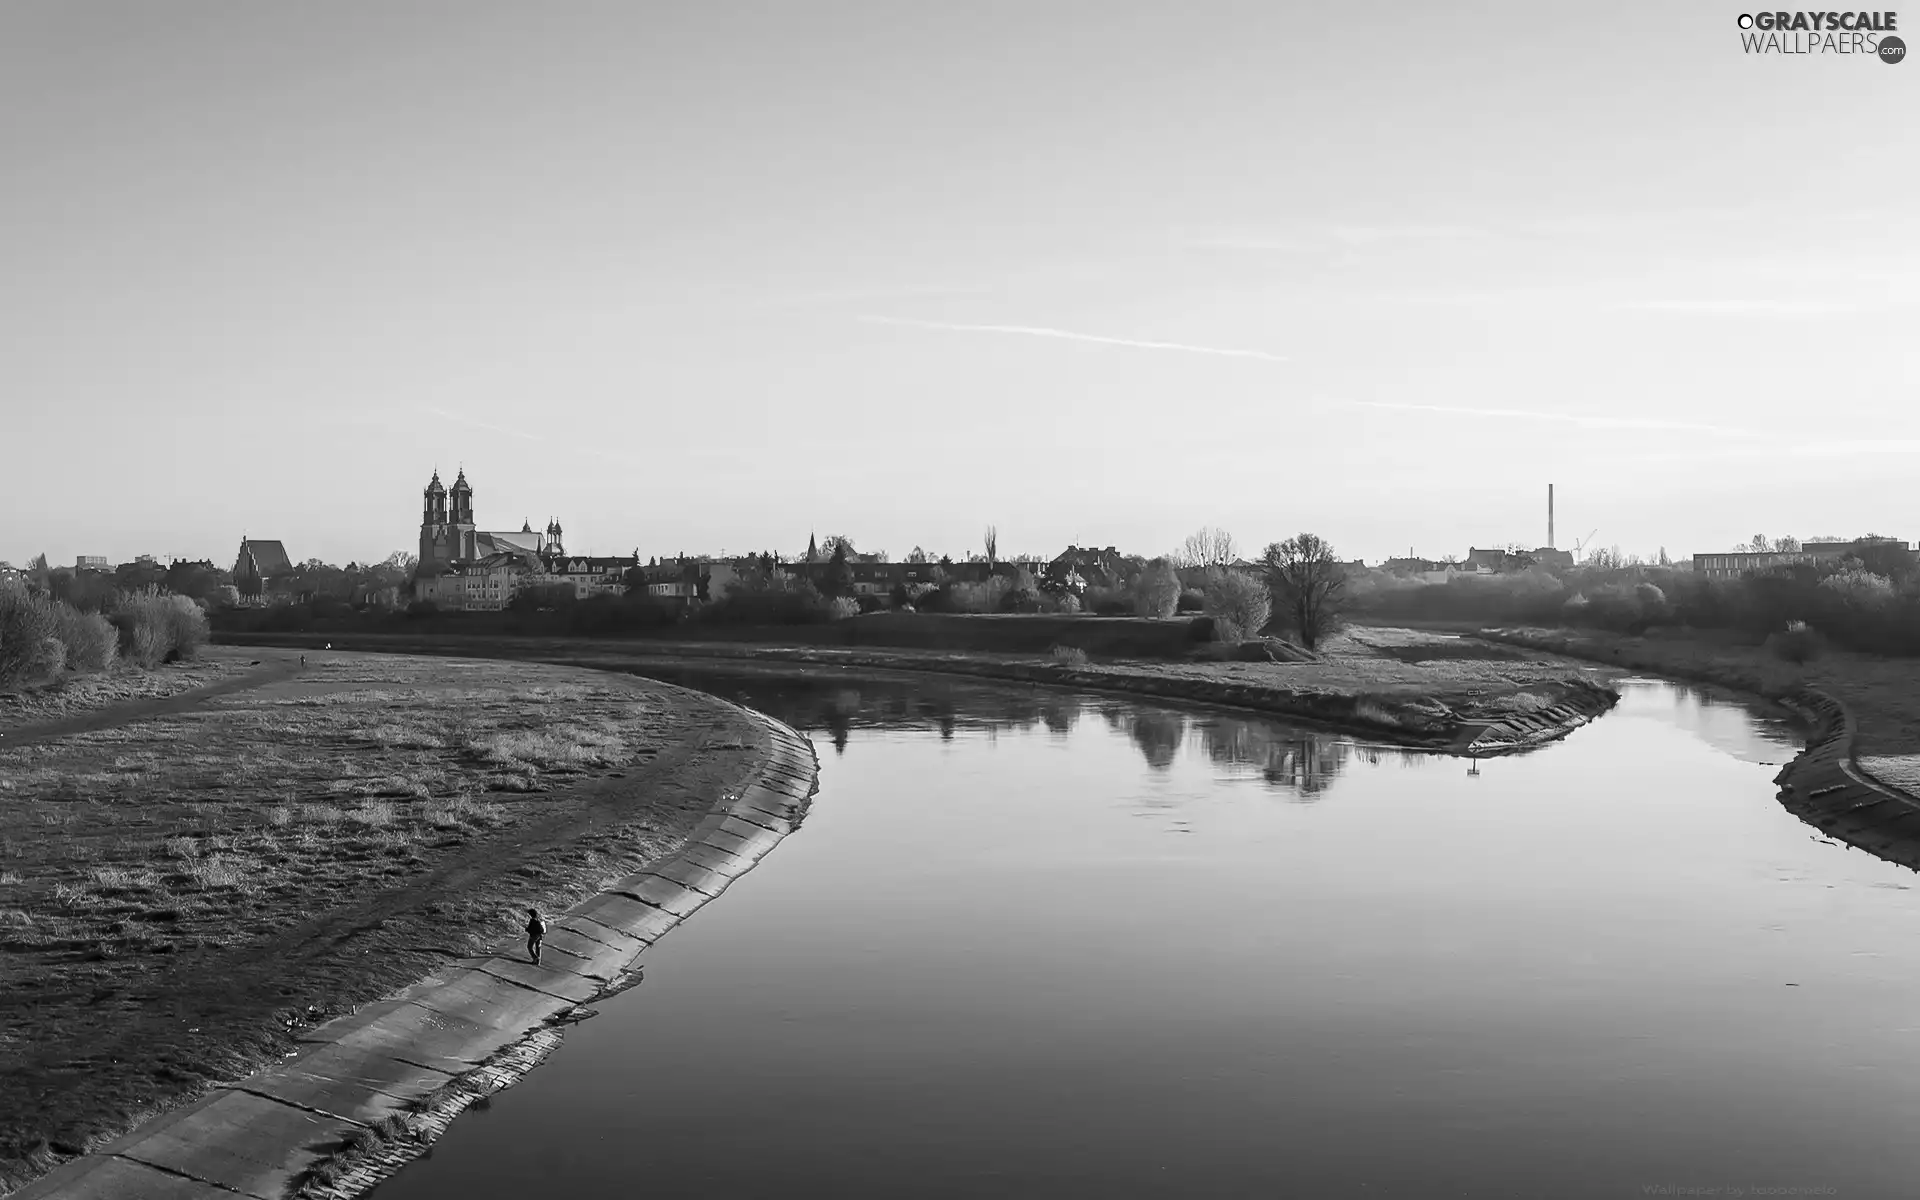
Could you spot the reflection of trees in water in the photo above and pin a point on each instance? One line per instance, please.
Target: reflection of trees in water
(1296, 759)
(1159, 734)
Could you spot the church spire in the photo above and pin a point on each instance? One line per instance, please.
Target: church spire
(813, 549)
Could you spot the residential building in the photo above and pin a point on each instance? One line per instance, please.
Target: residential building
(92, 562)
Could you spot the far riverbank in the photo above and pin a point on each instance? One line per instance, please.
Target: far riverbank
(1421, 690)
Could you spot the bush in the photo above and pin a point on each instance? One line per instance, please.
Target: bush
(155, 629)
(842, 607)
(1020, 600)
(1797, 643)
(1239, 604)
(26, 622)
(1107, 602)
(1069, 656)
(1069, 605)
(90, 639)
(1158, 592)
(50, 661)
(982, 597)
(802, 605)
(1191, 602)
(869, 603)
(899, 596)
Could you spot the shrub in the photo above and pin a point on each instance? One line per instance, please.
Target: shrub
(1069, 656)
(1069, 605)
(90, 639)
(1020, 600)
(1158, 592)
(26, 622)
(50, 660)
(1797, 643)
(899, 596)
(1108, 601)
(982, 597)
(868, 602)
(156, 629)
(1239, 604)
(1860, 589)
(800, 605)
(933, 600)
(842, 607)
(1191, 602)
(186, 627)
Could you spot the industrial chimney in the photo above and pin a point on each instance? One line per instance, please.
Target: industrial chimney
(1550, 517)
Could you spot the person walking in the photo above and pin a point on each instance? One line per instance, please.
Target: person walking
(536, 929)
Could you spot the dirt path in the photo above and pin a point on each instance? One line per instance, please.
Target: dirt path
(275, 665)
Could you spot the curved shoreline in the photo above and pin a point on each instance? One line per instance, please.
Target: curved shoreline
(372, 1089)
(1379, 717)
(1822, 785)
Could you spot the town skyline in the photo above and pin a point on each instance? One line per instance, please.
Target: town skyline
(666, 274)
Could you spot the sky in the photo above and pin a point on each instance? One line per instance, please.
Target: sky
(710, 277)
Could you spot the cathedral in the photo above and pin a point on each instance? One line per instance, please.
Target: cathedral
(464, 568)
(448, 536)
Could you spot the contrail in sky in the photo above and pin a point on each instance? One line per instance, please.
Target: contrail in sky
(1067, 335)
(1582, 419)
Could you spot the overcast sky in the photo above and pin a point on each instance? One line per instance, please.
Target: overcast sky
(709, 276)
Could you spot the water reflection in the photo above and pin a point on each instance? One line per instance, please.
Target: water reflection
(1299, 761)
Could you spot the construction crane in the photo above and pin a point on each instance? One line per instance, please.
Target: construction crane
(1580, 544)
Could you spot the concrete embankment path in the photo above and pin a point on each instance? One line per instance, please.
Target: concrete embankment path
(1827, 789)
(428, 1052)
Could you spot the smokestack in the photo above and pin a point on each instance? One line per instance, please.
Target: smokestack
(1549, 516)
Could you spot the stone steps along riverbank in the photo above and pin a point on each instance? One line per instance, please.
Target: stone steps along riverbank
(1384, 718)
(427, 1053)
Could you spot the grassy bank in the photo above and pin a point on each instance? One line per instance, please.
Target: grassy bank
(1883, 694)
(1402, 686)
(180, 893)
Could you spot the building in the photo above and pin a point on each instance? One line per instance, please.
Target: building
(465, 568)
(93, 562)
(1735, 563)
(261, 567)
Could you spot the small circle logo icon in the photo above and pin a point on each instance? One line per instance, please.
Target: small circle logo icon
(1746, 20)
(1892, 50)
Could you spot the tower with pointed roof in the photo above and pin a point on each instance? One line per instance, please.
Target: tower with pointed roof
(446, 524)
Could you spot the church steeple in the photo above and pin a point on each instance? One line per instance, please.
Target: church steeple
(813, 550)
(462, 496)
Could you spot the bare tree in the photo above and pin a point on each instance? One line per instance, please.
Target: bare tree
(1605, 558)
(1759, 545)
(1308, 585)
(1787, 544)
(1208, 546)
(917, 556)
(992, 543)
(838, 542)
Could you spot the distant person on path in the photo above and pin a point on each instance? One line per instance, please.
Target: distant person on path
(536, 929)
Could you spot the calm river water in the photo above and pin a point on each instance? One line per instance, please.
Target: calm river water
(1028, 944)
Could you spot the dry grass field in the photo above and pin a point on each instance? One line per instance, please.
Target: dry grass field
(180, 891)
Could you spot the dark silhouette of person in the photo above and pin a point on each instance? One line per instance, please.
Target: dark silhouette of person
(536, 929)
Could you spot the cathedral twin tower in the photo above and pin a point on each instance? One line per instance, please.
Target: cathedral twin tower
(447, 533)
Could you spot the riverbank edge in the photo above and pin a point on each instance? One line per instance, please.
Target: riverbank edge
(1822, 785)
(1375, 717)
(373, 1089)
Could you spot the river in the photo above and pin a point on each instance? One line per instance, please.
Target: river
(1034, 944)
